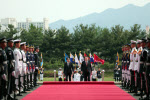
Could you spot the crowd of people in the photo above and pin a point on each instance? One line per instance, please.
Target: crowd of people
(136, 67)
(85, 73)
(18, 68)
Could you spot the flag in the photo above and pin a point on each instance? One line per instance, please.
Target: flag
(72, 58)
(117, 59)
(41, 60)
(85, 54)
(81, 58)
(91, 58)
(76, 59)
(66, 56)
(97, 59)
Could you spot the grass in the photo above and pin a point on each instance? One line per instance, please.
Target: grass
(52, 79)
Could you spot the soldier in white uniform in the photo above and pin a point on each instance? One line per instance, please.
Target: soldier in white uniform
(18, 62)
(94, 75)
(60, 74)
(132, 64)
(24, 65)
(137, 67)
(77, 75)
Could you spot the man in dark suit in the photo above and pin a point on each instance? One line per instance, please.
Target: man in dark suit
(68, 69)
(86, 69)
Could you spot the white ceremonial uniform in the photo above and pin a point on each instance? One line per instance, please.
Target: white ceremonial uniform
(94, 75)
(132, 61)
(138, 59)
(77, 77)
(60, 73)
(24, 62)
(18, 64)
(24, 65)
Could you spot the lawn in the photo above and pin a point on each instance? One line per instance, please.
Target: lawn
(52, 79)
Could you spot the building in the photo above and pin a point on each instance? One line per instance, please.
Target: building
(7, 21)
(25, 25)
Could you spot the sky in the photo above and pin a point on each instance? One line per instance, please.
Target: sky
(58, 9)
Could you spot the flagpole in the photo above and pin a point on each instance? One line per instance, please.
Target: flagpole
(94, 62)
(74, 61)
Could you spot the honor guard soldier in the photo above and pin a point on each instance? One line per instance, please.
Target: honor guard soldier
(31, 65)
(3, 68)
(28, 65)
(18, 63)
(123, 56)
(37, 65)
(147, 71)
(11, 68)
(137, 74)
(142, 62)
(123, 65)
(127, 65)
(24, 65)
(60, 74)
(132, 65)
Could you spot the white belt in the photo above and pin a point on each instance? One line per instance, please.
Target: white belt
(141, 62)
(124, 61)
(147, 64)
(5, 62)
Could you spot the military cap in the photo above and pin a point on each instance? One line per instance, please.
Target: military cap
(30, 46)
(133, 42)
(27, 45)
(128, 44)
(139, 41)
(10, 40)
(148, 39)
(23, 43)
(37, 47)
(3, 39)
(17, 41)
(144, 39)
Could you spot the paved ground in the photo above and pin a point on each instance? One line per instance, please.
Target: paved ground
(132, 94)
(27, 92)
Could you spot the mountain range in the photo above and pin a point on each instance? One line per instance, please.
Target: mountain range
(126, 16)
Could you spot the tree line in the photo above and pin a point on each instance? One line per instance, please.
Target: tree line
(106, 42)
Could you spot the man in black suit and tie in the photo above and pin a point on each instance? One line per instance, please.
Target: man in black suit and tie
(86, 69)
(68, 69)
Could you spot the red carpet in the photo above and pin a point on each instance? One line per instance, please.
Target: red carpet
(80, 91)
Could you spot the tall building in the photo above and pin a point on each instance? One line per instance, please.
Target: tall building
(7, 21)
(25, 25)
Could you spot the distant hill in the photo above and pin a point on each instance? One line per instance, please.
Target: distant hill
(126, 16)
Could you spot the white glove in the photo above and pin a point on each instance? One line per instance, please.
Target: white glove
(4, 76)
(36, 67)
(13, 73)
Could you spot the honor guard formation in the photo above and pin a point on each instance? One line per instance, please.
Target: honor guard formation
(136, 68)
(18, 68)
